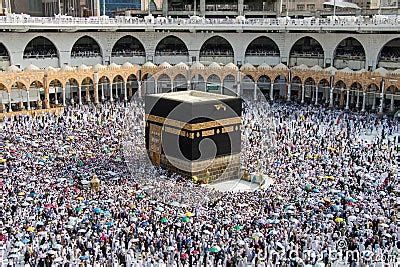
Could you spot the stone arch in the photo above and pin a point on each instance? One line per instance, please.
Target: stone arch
(349, 52)
(265, 45)
(19, 96)
(86, 46)
(264, 83)
(132, 85)
(198, 82)
(324, 89)
(171, 46)
(308, 51)
(164, 83)
(309, 88)
(117, 88)
(55, 91)
(40, 47)
(279, 88)
(247, 82)
(229, 85)
(87, 89)
(128, 46)
(213, 84)
(296, 87)
(4, 57)
(389, 55)
(217, 49)
(71, 89)
(180, 83)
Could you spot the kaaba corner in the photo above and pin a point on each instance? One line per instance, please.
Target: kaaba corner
(195, 134)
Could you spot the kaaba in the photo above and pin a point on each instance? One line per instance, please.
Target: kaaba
(194, 134)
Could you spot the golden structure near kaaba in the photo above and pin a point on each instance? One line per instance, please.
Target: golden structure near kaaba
(195, 134)
(95, 183)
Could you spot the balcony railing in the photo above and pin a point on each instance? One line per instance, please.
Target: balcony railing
(128, 54)
(25, 23)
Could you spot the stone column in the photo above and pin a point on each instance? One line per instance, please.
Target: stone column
(222, 88)
(374, 102)
(331, 97)
(347, 99)
(155, 87)
(255, 91)
(46, 96)
(392, 102)
(358, 99)
(96, 92)
(64, 97)
(202, 7)
(172, 86)
(238, 88)
(55, 96)
(240, 7)
(302, 93)
(289, 91)
(188, 85)
(165, 8)
(382, 97)
(87, 93)
(79, 94)
(28, 100)
(140, 88)
(364, 100)
(271, 92)
(9, 102)
(102, 92)
(316, 94)
(125, 92)
(111, 92)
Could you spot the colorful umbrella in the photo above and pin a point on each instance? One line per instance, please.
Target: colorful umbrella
(164, 220)
(339, 220)
(215, 249)
(237, 227)
(185, 219)
(189, 214)
(30, 229)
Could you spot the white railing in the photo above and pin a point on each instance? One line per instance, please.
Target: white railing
(309, 23)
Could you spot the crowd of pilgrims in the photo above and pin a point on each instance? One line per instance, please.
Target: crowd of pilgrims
(333, 189)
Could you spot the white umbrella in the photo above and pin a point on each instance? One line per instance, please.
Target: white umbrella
(170, 248)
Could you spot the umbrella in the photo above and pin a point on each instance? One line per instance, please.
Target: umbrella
(13, 256)
(215, 249)
(339, 220)
(97, 210)
(185, 219)
(82, 231)
(21, 194)
(84, 257)
(174, 204)
(170, 248)
(160, 209)
(140, 230)
(59, 259)
(189, 214)
(164, 220)
(25, 241)
(195, 252)
(184, 256)
(352, 218)
(80, 198)
(384, 225)
(30, 229)
(237, 227)
(316, 190)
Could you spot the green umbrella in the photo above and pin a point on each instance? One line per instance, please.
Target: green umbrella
(164, 220)
(185, 219)
(141, 196)
(237, 227)
(78, 209)
(215, 249)
(308, 187)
